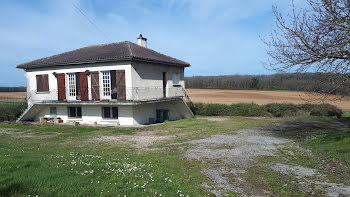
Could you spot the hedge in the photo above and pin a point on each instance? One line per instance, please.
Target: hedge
(11, 111)
(271, 110)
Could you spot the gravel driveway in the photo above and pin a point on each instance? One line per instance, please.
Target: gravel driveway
(230, 155)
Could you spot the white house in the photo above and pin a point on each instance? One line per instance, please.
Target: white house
(120, 84)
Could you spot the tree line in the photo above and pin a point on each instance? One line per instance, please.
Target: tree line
(311, 82)
(13, 89)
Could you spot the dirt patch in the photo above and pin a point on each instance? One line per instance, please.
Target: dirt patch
(25, 134)
(137, 141)
(215, 118)
(259, 97)
(246, 144)
(296, 170)
(239, 156)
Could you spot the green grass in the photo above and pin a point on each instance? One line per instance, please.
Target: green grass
(60, 161)
(333, 150)
(65, 164)
(328, 140)
(53, 167)
(346, 114)
(36, 171)
(279, 184)
(334, 144)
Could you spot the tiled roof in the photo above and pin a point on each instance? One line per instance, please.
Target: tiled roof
(121, 51)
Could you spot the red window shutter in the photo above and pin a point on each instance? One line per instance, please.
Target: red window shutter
(83, 82)
(38, 83)
(42, 83)
(95, 85)
(121, 88)
(45, 79)
(61, 86)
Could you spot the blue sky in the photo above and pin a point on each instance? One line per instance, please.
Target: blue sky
(217, 37)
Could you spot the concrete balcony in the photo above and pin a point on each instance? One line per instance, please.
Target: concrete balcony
(134, 94)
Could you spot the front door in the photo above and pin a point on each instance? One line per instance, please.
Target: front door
(164, 84)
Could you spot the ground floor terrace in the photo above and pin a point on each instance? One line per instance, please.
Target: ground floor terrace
(108, 112)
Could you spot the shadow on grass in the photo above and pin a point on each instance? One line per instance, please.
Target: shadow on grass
(302, 129)
(12, 189)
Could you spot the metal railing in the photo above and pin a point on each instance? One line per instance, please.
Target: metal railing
(131, 94)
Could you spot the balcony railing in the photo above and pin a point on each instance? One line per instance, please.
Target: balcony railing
(132, 94)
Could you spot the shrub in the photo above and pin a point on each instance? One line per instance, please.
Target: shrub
(269, 110)
(211, 109)
(244, 109)
(281, 109)
(326, 110)
(10, 112)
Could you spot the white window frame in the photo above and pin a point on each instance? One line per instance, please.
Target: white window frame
(72, 86)
(105, 84)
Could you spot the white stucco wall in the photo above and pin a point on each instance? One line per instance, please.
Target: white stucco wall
(90, 115)
(143, 113)
(148, 81)
(127, 114)
(143, 80)
(52, 95)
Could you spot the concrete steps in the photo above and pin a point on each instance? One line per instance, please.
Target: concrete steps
(30, 112)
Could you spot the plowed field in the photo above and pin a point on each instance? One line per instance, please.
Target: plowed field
(260, 97)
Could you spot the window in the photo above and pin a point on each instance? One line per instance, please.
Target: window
(53, 112)
(106, 83)
(110, 112)
(74, 112)
(42, 83)
(176, 78)
(71, 85)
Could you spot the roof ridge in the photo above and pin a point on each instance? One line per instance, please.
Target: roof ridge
(159, 53)
(106, 51)
(129, 48)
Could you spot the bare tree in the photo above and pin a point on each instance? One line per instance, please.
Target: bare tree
(313, 39)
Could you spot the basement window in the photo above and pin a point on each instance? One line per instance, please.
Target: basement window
(110, 112)
(74, 112)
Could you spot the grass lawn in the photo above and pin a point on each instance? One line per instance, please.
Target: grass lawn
(49, 160)
(60, 161)
(346, 114)
(329, 142)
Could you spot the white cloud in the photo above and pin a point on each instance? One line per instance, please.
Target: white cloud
(117, 18)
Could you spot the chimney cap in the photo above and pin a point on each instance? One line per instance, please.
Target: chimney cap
(140, 37)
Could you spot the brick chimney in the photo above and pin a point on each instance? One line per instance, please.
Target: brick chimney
(141, 41)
